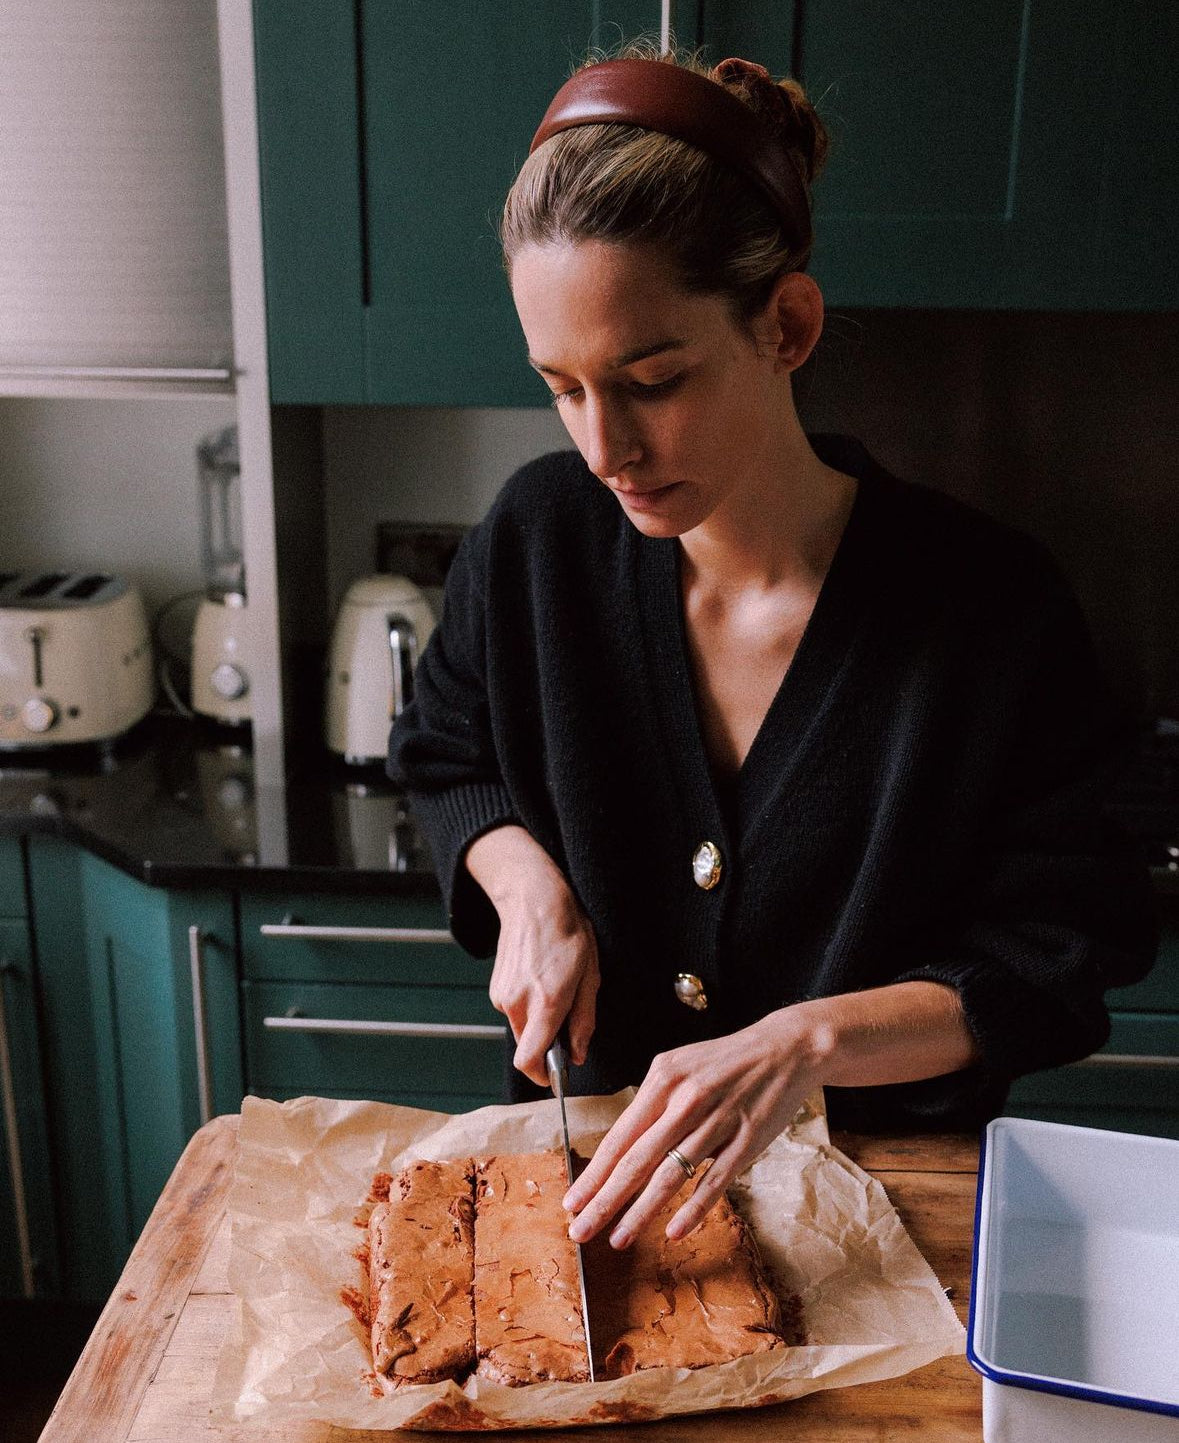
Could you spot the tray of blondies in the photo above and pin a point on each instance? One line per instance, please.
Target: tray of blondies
(397, 1268)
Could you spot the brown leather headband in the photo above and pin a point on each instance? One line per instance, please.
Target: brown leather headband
(656, 95)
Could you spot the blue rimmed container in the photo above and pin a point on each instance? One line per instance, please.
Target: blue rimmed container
(1074, 1304)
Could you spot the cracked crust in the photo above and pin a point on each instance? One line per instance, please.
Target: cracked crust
(685, 1304)
(528, 1326)
(421, 1249)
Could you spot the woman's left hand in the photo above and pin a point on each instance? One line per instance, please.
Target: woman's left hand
(726, 1099)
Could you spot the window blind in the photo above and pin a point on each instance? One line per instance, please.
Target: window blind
(113, 246)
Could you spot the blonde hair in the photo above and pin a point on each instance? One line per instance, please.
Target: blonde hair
(620, 184)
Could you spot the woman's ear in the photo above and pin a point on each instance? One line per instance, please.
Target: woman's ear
(792, 320)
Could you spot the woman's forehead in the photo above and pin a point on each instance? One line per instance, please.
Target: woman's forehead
(616, 303)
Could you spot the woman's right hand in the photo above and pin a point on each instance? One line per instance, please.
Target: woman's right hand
(546, 964)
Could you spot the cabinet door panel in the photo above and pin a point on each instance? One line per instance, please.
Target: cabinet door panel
(1000, 153)
(24, 1156)
(442, 146)
(309, 153)
(1159, 989)
(397, 1068)
(12, 878)
(1124, 1098)
(121, 1047)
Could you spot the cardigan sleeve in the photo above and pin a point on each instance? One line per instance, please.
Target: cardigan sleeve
(1062, 908)
(442, 748)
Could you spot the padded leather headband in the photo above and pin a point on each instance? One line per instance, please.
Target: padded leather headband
(656, 95)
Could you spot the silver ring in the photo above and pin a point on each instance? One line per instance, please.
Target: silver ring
(677, 1156)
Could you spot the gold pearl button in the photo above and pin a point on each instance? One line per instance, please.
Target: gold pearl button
(706, 865)
(690, 991)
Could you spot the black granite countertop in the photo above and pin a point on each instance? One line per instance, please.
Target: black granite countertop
(174, 803)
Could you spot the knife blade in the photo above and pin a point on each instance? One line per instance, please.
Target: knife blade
(556, 1061)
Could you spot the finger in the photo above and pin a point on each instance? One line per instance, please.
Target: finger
(534, 1041)
(645, 1173)
(667, 1179)
(728, 1163)
(643, 1113)
(582, 1015)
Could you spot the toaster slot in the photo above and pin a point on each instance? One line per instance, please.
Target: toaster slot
(84, 588)
(42, 585)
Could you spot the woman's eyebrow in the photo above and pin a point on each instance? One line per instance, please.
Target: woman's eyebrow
(640, 353)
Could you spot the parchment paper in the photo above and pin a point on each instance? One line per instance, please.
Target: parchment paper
(872, 1306)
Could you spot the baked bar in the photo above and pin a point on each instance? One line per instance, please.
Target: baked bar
(421, 1260)
(528, 1326)
(663, 1304)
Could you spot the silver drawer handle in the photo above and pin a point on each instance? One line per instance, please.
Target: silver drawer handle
(1141, 1062)
(196, 964)
(355, 934)
(367, 1027)
(116, 373)
(20, 1204)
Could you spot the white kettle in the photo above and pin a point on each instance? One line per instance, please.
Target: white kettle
(382, 626)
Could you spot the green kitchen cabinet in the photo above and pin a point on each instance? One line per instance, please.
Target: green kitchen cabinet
(366, 997)
(388, 137)
(116, 961)
(986, 155)
(998, 155)
(1132, 1084)
(28, 1243)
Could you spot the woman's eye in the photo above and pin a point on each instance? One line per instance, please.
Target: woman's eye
(656, 388)
(559, 397)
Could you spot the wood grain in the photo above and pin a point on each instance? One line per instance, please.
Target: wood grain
(147, 1374)
(104, 1391)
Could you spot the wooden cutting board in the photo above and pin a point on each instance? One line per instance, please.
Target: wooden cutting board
(146, 1375)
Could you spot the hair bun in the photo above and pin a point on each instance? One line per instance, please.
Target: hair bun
(782, 103)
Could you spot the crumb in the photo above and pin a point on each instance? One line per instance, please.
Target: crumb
(357, 1303)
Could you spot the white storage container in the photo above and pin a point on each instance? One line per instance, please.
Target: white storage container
(1074, 1308)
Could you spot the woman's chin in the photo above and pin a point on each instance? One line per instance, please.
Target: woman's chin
(658, 514)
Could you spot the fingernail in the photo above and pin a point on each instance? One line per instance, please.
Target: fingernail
(619, 1239)
(569, 1201)
(579, 1230)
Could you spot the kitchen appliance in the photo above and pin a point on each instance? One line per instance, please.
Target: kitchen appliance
(1074, 1309)
(221, 654)
(75, 659)
(382, 626)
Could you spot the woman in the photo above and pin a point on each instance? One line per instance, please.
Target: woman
(757, 767)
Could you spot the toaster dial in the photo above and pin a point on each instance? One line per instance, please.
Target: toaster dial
(38, 714)
(229, 681)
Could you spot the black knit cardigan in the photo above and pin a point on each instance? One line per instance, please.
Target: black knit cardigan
(923, 799)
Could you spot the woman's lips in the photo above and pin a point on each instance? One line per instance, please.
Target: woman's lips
(648, 500)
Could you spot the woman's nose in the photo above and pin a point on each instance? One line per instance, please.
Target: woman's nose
(610, 441)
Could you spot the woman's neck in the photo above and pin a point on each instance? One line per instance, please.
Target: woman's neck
(780, 530)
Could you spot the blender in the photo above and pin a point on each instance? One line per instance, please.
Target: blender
(220, 649)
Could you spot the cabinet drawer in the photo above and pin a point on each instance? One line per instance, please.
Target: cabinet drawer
(363, 939)
(458, 1053)
(12, 878)
(1134, 1096)
(1159, 989)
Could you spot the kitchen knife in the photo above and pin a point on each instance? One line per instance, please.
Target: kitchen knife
(556, 1060)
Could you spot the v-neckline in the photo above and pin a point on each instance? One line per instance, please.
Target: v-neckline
(796, 705)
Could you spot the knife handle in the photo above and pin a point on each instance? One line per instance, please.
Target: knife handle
(556, 1059)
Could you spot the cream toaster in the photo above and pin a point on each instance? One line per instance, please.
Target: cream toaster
(75, 658)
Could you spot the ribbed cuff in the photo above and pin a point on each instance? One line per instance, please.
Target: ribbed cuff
(1019, 1028)
(452, 820)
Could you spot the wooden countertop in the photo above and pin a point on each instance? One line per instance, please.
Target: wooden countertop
(146, 1374)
